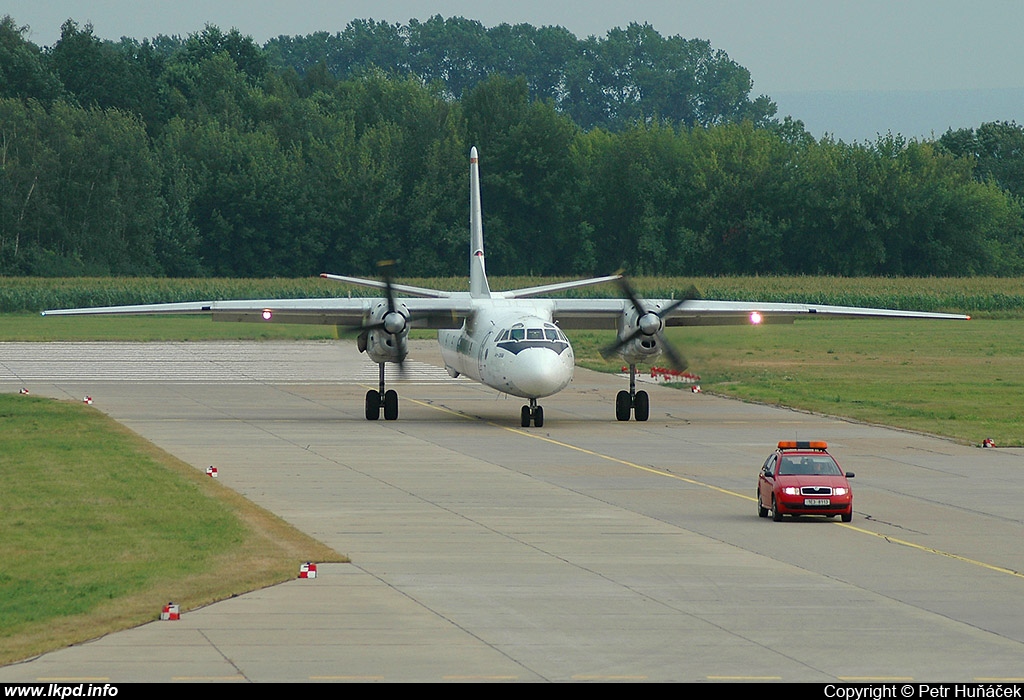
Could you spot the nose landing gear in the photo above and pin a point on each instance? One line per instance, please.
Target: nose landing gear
(532, 413)
(381, 399)
(636, 402)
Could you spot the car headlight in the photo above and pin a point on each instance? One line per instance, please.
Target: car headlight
(841, 491)
(791, 491)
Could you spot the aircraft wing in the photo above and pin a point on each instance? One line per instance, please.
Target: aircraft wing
(604, 313)
(428, 313)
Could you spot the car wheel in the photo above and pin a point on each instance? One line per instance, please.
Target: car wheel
(762, 512)
(847, 517)
(776, 515)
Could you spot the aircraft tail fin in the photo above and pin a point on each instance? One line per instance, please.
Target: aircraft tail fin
(478, 287)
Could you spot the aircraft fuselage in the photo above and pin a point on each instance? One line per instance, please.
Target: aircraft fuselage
(513, 347)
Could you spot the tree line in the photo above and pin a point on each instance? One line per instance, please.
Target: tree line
(211, 155)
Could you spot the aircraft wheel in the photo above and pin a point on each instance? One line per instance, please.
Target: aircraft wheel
(525, 417)
(372, 404)
(623, 405)
(391, 405)
(538, 417)
(642, 406)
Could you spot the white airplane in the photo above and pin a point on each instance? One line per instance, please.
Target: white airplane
(511, 341)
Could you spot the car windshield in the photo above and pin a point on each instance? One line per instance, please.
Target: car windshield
(809, 465)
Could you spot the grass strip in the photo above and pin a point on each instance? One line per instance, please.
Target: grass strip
(101, 528)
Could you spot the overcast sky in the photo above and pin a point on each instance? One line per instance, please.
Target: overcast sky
(788, 45)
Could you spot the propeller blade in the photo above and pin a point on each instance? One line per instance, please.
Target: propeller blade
(630, 293)
(677, 361)
(610, 350)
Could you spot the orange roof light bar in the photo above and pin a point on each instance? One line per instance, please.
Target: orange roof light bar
(803, 445)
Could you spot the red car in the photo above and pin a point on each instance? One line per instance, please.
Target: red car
(802, 478)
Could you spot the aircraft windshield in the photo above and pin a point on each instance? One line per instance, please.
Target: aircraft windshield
(518, 332)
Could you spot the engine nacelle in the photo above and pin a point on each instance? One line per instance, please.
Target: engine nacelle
(387, 337)
(640, 350)
(639, 333)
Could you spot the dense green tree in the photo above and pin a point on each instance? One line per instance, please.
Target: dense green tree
(405, 170)
(997, 149)
(630, 74)
(530, 177)
(80, 191)
(247, 56)
(24, 72)
(93, 71)
(190, 156)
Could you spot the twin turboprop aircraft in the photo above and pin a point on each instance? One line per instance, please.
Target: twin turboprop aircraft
(511, 341)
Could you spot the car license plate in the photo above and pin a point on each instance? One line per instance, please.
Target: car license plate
(817, 502)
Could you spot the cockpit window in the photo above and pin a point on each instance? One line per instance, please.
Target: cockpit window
(517, 333)
(535, 334)
(551, 333)
(503, 336)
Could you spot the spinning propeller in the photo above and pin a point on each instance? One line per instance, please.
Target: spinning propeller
(394, 321)
(650, 323)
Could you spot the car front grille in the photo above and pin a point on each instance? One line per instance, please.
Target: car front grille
(816, 491)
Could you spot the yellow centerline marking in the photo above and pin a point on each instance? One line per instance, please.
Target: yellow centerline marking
(695, 482)
(932, 550)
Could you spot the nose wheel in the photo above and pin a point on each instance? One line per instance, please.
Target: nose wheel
(377, 400)
(532, 414)
(634, 402)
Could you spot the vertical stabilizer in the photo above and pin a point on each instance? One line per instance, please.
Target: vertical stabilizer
(478, 287)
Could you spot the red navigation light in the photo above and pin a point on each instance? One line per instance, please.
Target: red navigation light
(756, 318)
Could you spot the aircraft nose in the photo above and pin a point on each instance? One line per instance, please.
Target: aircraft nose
(539, 372)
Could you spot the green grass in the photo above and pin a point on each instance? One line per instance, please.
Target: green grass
(100, 529)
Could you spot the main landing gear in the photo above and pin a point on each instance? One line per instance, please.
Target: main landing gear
(377, 400)
(636, 402)
(532, 413)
